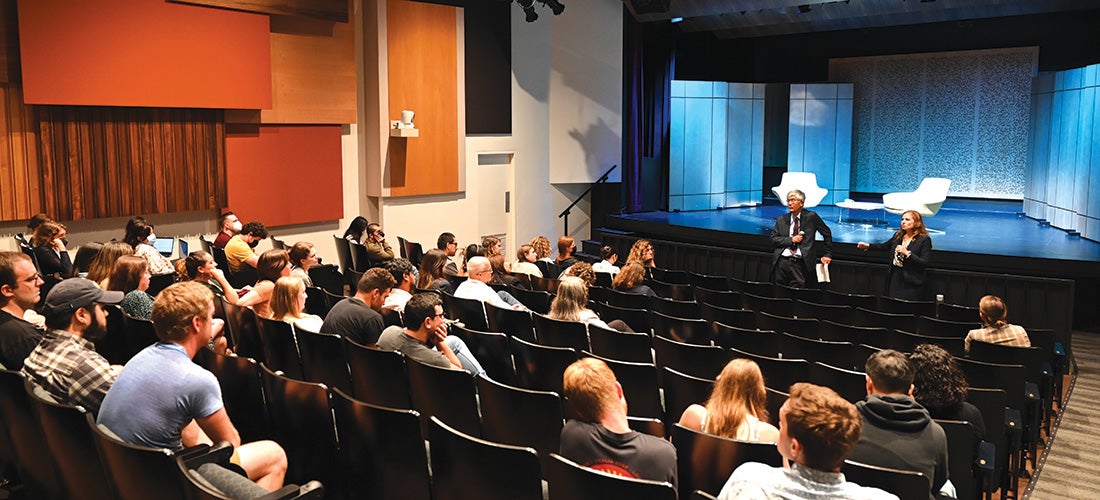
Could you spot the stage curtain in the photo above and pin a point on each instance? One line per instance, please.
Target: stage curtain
(647, 75)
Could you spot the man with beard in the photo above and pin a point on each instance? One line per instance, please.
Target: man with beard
(65, 362)
(229, 226)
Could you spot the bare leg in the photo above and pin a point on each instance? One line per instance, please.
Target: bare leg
(265, 463)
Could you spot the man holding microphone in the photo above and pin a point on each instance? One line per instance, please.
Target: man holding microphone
(793, 239)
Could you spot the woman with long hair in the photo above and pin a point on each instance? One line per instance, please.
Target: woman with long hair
(491, 246)
(630, 280)
(996, 329)
(199, 266)
(500, 273)
(140, 236)
(84, 257)
(431, 272)
(737, 407)
(472, 250)
(131, 277)
(566, 246)
(100, 269)
(272, 265)
(571, 303)
(911, 252)
(288, 303)
(542, 248)
(49, 250)
(356, 230)
(525, 261)
(302, 257)
(641, 253)
(941, 388)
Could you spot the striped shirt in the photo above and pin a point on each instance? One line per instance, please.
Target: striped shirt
(68, 367)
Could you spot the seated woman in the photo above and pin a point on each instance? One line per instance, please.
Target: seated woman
(84, 257)
(131, 277)
(302, 257)
(582, 270)
(641, 253)
(288, 301)
(630, 280)
(356, 230)
(525, 261)
(431, 272)
(737, 407)
(941, 388)
(607, 265)
(995, 327)
(140, 236)
(472, 250)
(272, 265)
(542, 248)
(100, 269)
(571, 304)
(200, 266)
(49, 250)
(566, 247)
(500, 274)
(491, 246)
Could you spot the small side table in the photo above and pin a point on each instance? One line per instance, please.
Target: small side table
(861, 212)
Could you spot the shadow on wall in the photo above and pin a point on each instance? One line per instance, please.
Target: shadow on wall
(597, 156)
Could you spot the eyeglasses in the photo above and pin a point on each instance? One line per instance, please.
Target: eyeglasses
(439, 315)
(33, 278)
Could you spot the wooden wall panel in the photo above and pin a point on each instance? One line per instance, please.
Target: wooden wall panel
(422, 50)
(20, 191)
(331, 10)
(117, 162)
(143, 53)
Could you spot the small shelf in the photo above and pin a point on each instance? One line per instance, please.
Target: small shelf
(404, 132)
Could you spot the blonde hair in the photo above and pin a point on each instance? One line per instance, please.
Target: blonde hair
(541, 246)
(571, 299)
(589, 388)
(284, 298)
(994, 311)
(739, 392)
(177, 305)
(104, 261)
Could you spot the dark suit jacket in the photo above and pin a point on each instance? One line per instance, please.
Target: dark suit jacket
(913, 267)
(810, 224)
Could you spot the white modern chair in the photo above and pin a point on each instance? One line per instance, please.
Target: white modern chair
(926, 200)
(802, 181)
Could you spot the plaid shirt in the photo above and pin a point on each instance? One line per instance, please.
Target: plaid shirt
(68, 367)
(1010, 335)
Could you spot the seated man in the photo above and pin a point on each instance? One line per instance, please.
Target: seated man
(228, 226)
(427, 328)
(164, 400)
(817, 430)
(475, 287)
(449, 245)
(402, 271)
(378, 250)
(600, 437)
(19, 292)
(239, 251)
(65, 363)
(359, 317)
(897, 431)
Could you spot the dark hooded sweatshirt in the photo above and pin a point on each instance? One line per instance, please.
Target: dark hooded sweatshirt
(899, 434)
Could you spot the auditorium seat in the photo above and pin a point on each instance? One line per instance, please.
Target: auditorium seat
(242, 392)
(535, 300)
(567, 480)
(608, 343)
(686, 308)
(849, 384)
(802, 327)
(241, 323)
(690, 331)
(36, 464)
(777, 306)
(760, 342)
(512, 322)
(721, 298)
(448, 394)
(778, 372)
(378, 377)
(471, 312)
(741, 318)
(520, 417)
(464, 466)
(70, 442)
(558, 333)
(673, 291)
(838, 354)
(491, 350)
(637, 319)
(907, 485)
(705, 462)
(715, 283)
(324, 360)
(695, 360)
(301, 422)
(280, 347)
(627, 300)
(823, 312)
(902, 306)
(681, 391)
(640, 386)
(671, 276)
(540, 367)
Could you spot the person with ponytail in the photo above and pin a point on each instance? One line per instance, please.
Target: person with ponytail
(995, 326)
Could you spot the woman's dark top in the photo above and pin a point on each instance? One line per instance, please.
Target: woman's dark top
(640, 290)
(909, 280)
(442, 285)
(964, 411)
(50, 263)
(569, 261)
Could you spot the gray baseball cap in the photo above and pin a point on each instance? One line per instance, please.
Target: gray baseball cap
(74, 293)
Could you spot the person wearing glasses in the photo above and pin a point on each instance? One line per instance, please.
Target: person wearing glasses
(20, 290)
(425, 338)
(449, 245)
(378, 250)
(477, 288)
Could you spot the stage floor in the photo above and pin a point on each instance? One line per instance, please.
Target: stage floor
(965, 226)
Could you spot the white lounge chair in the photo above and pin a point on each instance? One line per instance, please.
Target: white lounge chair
(926, 200)
(802, 181)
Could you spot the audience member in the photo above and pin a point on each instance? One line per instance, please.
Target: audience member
(359, 317)
(356, 231)
(378, 250)
(472, 250)
(501, 275)
(476, 286)
(566, 247)
(525, 261)
(20, 287)
(49, 249)
(432, 272)
(599, 436)
(228, 227)
(200, 267)
(491, 246)
(995, 326)
(426, 340)
(571, 304)
(582, 270)
(85, 255)
(100, 269)
(897, 431)
(737, 407)
(131, 277)
(641, 253)
(140, 236)
(542, 248)
(288, 303)
(449, 246)
(272, 265)
(631, 280)
(941, 388)
(402, 271)
(817, 430)
(37, 220)
(164, 400)
(239, 252)
(303, 256)
(607, 265)
(65, 363)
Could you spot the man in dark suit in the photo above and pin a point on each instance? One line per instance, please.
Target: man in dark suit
(794, 239)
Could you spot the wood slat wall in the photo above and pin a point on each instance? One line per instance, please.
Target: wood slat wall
(115, 162)
(20, 191)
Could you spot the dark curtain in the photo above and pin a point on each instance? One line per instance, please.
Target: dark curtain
(647, 74)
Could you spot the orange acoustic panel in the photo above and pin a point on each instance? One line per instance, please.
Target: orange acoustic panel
(143, 53)
(285, 174)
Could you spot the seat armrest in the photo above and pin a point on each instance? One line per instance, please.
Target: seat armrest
(986, 459)
(195, 456)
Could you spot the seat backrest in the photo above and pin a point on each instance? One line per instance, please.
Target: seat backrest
(280, 347)
(762, 342)
(777, 372)
(933, 189)
(902, 306)
(316, 302)
(776, 398)
(540, 367)
(721, 298)
(962, 452)
(628, 300)
(991, 403)
(520, 417)
(671, 276)
(691, 331)
(36, 464)
(301, 420)
(139, 334)
(707, 461)
(695, 360)
(360, 261)
(545, 284)
(907, 485)
(382, 452)
(844, 332)
(952, 312)
(740, 318)
(70, 442)
(491, 350)
(241, 322)
(838, 354)
(113, 345)
(803, 327)
(324, 360)
(687, 308)
(943, 328)
(513, 322)
(714, 283)
(681, 391)
(570, 481)
(465, 466)
(327, 277)
(672, 291)
(535, 300)
(849, 384)
(870, 317)
(378, 377)
(838, 313)
(470, 311)
(159, 478)
(242, 392)
(777, 306)
(608, 343)
(1010, 378)
(637, 319)
(640, 387)
(1031, 357)
(448, 394)
(159, 282)
(850, 299)
(557, 333)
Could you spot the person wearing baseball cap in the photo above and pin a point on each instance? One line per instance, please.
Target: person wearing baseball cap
(65, 363)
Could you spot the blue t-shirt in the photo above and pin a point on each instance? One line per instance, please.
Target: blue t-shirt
(158, 393)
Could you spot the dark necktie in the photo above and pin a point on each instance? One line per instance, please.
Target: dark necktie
(794, 232)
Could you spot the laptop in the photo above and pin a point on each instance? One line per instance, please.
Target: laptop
(165, 245)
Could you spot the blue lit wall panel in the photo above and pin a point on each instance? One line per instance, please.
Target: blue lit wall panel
(718, 129)
(697, 137)
(819, 136)
(842, 172)
(739, 153)
(676, 144)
